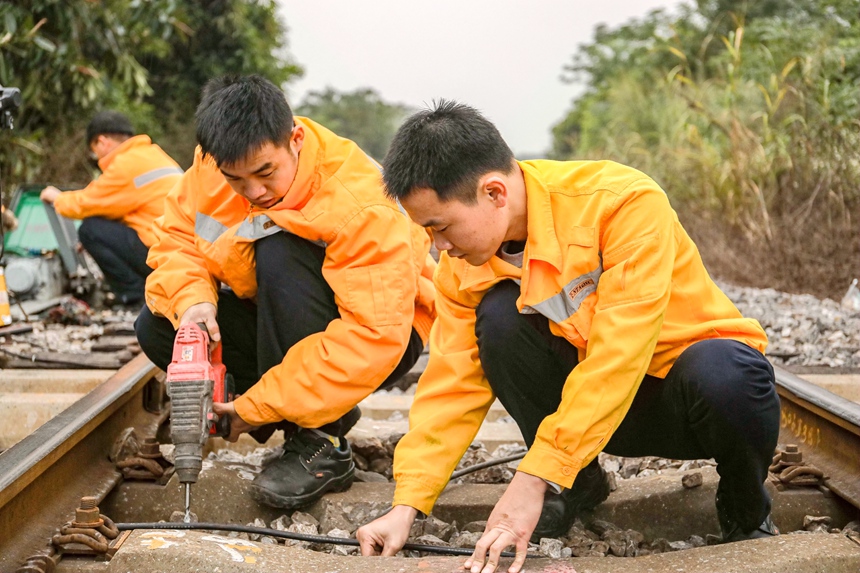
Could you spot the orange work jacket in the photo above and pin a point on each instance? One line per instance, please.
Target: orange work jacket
(609, 265)
(135, 179)
(377, 263)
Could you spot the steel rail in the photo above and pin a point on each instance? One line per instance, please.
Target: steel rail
(43, 477)
(26, 460)
(68, 454)
(826, 427)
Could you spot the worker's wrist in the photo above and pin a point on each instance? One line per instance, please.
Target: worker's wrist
(530, 481)
(405, 510)
(552, 486)
(404, 514)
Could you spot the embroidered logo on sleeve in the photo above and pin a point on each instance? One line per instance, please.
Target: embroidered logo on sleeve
(576, 289)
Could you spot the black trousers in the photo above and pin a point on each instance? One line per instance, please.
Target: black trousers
(718, 401)
(119, 253)
(293, 302)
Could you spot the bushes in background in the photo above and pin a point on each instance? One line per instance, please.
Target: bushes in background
(749, 116)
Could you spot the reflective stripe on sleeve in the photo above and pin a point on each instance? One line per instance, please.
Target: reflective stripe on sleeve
(155, 175)
(208, 228)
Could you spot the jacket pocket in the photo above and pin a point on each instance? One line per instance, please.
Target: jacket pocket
(629, 275)
(375, 294)
(582, 236)
(583, 269)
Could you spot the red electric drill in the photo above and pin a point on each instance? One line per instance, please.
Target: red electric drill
(195, 379)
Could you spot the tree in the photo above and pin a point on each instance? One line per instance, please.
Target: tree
(722, 106)
(361, 116)
(218, 37)
(68, 59)
(746, 113)
(148, 59)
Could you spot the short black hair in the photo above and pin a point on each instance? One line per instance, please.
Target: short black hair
(237, 115)
(447, 149)
(110, 123)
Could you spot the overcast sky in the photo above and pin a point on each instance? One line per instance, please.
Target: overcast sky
(504, 57)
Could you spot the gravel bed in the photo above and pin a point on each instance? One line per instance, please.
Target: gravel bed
(802, 330)
(72, 328)
(596, 539)
(599, 539)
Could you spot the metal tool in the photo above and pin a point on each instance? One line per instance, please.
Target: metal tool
(196, 378)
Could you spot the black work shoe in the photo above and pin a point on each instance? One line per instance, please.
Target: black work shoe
(310, 466)
(735, 533)
(560, 510)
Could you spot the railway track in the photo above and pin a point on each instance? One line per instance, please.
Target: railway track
(44, 477)
(827, 428)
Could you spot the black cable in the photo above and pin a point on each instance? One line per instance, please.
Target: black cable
(487, 464)
(297, 536)
(324, 538)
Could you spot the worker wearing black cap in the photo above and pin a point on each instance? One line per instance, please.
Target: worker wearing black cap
(119, 207)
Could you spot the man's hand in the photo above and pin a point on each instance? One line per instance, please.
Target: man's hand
(49, 194)
(9, 221)
(203, 312)
(512, 522)
(388, 534)
(238, 426)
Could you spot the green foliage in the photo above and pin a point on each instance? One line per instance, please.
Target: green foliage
(361, 116)
(70, 57)
(218, 37)
(147, 58)
(745, 109)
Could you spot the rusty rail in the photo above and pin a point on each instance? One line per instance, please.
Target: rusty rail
(43, 476)
(827, 429)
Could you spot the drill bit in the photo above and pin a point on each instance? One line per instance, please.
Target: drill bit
(187, 518)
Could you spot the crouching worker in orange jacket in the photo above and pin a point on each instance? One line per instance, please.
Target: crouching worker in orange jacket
(280, 239)
(570, 291)
(119, 207)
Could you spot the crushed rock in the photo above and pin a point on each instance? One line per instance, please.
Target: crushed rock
(801, 329)
(282, 523)
(77, 336)
(631, 468)
(477, 454)
(369, 477)
(258, 522)
(692, 480)
(551, 548)
(342, 550)
(301, 528)
(817, 524)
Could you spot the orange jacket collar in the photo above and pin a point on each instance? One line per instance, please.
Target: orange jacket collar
(542, 243)
(307, 179)
(122, 148)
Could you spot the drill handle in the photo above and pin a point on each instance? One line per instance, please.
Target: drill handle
(222, 426)
(214, 347)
